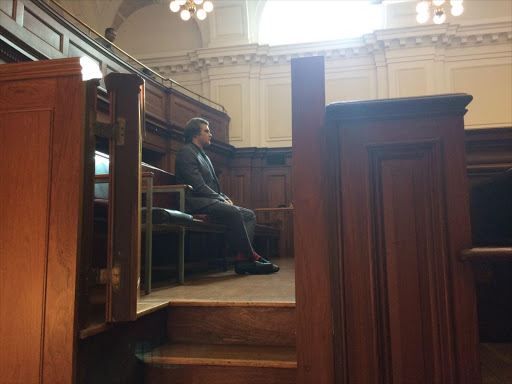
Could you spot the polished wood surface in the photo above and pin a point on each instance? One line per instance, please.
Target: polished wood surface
(224, 355)
(125, 196)
(23, 247)
(219, 375)
(410, 312)
(281, 218)
(261, 177)
(41, 116)
(313, 228)
(242, 325)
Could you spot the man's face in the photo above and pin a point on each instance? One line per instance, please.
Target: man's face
(203, 139)
(111, 35)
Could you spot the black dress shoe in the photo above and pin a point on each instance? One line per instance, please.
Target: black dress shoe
(253, 267)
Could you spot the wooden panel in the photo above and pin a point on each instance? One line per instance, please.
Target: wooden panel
(277, 188)
(39, 93)
(7, 6)
(156, 101)
(23, 249)
(241, 187)
(219, 375)
(408, 197)
(272, 325)
(42, 30)
(283, 217)
(65, 218)
(409, 303)
(181, 111)
(52, 162)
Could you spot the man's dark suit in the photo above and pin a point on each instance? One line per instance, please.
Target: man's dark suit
(194, 168)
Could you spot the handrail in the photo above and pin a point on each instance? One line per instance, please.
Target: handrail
(134, 59)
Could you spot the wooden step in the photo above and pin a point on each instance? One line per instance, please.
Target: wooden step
(230, 323)
(220, 364)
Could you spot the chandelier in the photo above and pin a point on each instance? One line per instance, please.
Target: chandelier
(189, 8)
(424, 6)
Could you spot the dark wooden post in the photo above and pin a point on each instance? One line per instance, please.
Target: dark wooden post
(125, 195)
(312, 228)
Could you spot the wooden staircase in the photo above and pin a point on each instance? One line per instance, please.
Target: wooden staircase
(226, 343)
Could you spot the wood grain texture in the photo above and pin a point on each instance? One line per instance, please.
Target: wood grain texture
(255, 325)
(409, 312)
(312, 228)
(65, 218)
(48, 129)
(223, 355)
(407, 196)
(125, 196)
(23, 248)
(283, 218)
(219, 375)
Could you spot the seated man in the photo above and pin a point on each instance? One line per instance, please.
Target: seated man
(193, 167)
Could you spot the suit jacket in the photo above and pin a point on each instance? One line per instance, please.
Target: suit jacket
(195, 170)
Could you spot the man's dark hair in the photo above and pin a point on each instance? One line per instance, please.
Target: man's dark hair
(109, 30)
(193, 128)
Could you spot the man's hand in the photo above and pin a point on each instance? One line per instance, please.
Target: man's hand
(228, 202)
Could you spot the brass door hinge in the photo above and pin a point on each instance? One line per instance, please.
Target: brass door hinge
(111, 131)
(109, 276)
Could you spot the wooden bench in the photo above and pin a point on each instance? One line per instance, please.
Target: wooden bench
(162, 193)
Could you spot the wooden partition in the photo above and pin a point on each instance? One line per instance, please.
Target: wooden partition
(42, 114)
(394, 195)
(281, 218)
(47, 129)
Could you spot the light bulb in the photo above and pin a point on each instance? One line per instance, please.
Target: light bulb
(201, 14)
(457, 10)
(175, 7)
(422, 17)
(181, 2)
(438, 2)
(185, 15)
(439, 18)
(422, 7)
(208, 6)
(198, 1)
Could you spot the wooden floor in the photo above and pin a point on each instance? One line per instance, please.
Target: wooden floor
(227, 288)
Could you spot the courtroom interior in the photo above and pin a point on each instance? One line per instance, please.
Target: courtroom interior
(372, 140)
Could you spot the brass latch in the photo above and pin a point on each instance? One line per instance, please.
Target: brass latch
(111, 131)
(109, 276)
